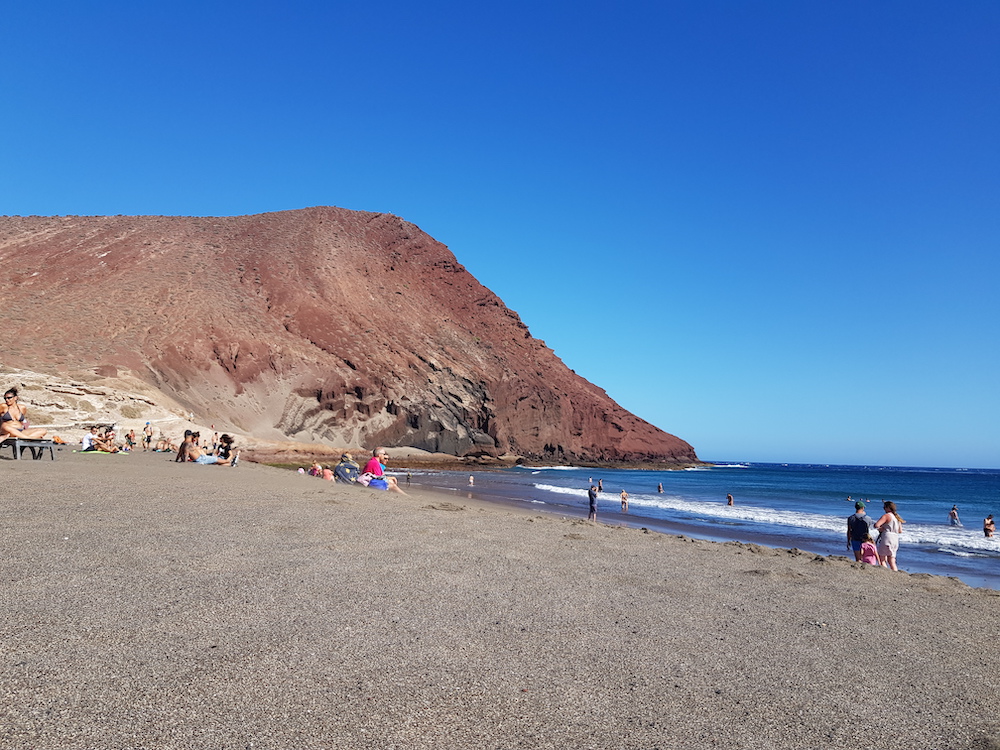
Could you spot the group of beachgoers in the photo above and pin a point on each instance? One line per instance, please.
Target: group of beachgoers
(860, 540)
(889, 528)
(989, 526)
(220, 453)
(347, 471)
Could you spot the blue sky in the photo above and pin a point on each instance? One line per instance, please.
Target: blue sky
(770, 228)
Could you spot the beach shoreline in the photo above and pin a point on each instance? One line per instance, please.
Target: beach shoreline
(153, 604)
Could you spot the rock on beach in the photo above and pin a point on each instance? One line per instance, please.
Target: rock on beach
(148, 604)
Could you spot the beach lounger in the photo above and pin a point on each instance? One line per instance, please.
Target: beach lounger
(37, 447)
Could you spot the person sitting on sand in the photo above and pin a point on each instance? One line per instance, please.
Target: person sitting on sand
(989, 527)
(227, 450)
(182, 451)
(346, 470)
(315, 470)
(87, 444)
(227, 453)
(94, 441)
(376, 468)
(14, 419)
(165, 445)
(869, 553)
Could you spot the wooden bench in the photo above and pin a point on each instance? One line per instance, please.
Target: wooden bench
(37, 447)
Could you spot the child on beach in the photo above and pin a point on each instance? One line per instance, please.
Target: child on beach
(869, 553)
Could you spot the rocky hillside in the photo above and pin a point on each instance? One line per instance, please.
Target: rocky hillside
(319, 325)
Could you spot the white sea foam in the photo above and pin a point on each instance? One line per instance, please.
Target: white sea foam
(957, 538)
(955, 552)
(535, 469)
(561, 490)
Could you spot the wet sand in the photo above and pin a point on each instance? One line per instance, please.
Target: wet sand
(148, 604)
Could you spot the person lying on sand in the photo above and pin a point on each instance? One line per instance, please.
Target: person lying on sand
(14, 419)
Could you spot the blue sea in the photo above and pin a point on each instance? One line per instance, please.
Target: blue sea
(780, 505)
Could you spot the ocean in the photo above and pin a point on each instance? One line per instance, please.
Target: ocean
(779, 505)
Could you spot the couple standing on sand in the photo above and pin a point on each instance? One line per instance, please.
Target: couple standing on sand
(859, 537)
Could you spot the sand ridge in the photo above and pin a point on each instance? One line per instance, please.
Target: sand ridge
(155, 605)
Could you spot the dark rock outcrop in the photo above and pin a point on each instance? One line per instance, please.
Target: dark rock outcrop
(321, 324)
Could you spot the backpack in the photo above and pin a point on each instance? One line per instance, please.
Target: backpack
(346, 472)
(860, 525)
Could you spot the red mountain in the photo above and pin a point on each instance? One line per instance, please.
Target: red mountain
(323, 324)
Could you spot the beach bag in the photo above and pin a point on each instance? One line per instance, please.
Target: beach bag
(366, 478)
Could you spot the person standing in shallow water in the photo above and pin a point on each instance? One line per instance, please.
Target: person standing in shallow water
(592, 496)
(624, 501)
(989, 527)
(729, 499)
(953, 516)
(659, 488)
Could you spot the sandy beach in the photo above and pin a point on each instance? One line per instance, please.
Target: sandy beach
(148, 604)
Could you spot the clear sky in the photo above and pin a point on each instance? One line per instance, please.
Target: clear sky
(770, 228)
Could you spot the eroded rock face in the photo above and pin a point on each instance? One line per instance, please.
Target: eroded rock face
(322, 324)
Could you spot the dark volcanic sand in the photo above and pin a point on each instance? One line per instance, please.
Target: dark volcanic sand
(153, 605)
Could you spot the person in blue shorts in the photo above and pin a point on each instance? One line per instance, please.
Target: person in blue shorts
(859, 525)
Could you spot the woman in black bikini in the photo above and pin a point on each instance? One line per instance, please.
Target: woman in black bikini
(12, 419)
